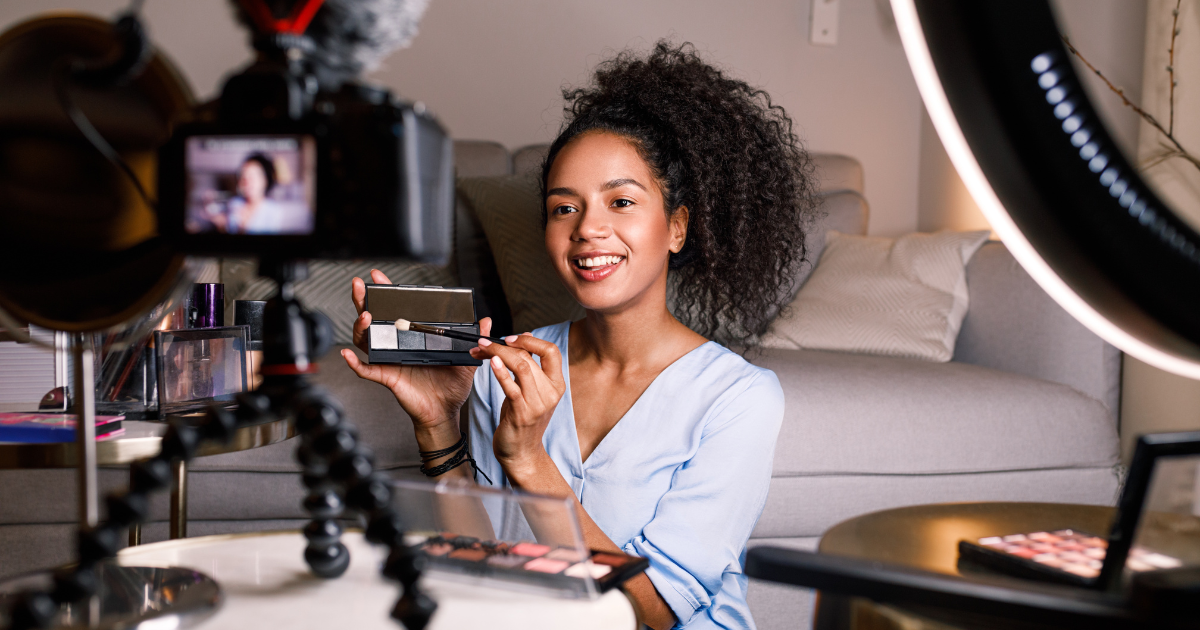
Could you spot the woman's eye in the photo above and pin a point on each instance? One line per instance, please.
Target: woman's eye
(623, 203)
(560, 210)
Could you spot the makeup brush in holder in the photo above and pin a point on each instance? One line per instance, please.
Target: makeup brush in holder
(403, 325)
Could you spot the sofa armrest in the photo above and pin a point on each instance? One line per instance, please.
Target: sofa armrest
(1013, 325)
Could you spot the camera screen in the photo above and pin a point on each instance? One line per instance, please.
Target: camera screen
(261, 184)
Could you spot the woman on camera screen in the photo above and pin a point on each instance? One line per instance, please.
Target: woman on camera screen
(664, 167)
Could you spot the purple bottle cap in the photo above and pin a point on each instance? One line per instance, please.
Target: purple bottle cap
(208, 305)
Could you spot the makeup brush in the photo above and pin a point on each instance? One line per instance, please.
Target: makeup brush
(405, 325)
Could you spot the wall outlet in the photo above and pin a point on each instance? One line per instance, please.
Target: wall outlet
(823, 22)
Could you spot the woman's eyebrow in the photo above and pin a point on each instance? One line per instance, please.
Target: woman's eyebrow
(617, 183)
(561, 190)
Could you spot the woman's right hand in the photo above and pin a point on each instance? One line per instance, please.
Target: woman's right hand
(433, 395)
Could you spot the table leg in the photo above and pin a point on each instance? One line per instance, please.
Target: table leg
(135, 530)
(179, 501)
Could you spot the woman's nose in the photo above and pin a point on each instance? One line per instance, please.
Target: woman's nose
(592, 225)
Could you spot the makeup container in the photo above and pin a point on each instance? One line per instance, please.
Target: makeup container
(452, 308)
(454, 525)
(200, 366)
(207, 305)
(249, 313)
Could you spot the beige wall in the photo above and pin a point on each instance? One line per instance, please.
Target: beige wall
(494, 70)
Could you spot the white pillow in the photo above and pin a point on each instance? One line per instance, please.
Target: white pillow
(903, 297)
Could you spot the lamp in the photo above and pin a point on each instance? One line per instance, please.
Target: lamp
(1018, 126)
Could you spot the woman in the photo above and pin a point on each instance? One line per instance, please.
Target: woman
(663, 438)
(251, 212)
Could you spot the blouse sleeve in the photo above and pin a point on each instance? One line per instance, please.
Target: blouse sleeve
(701, 525)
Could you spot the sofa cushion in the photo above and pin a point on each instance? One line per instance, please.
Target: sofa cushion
(864, 414)
(843, 211)
(897, 297)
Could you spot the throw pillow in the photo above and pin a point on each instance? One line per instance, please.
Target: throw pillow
(903, 297)
(509, 209)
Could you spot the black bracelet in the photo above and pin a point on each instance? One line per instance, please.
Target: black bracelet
(463, 455)
(442, 452)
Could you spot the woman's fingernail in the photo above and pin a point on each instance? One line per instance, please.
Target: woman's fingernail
(510, 339)
(483, 342)
(497, 362)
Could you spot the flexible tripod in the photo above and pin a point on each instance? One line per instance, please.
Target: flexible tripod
(338, 472)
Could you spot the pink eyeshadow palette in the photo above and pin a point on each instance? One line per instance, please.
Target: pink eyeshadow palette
(1064, 555)
(563, 568)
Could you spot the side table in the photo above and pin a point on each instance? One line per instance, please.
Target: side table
(142, 440)
(926, 537)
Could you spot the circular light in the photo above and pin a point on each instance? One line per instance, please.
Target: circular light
(1064, 109)
(1041, 63)
(1048, 80)
(1107, 177)
(1089, 150)
(1079, 138)
(1098, 163)
(1056, 95)
(1137, 208)
(1073, 123)
(1127, 198)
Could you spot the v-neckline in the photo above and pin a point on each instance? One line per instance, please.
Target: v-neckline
(571, 399)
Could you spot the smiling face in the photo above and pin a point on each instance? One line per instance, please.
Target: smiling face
(252, 182)
(607, 230)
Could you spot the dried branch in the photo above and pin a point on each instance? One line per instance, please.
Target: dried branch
(1171, 64)
(1130, 104)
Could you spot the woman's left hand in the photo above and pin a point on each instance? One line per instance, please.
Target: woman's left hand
(531, 394)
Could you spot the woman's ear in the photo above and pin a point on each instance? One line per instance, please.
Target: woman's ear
(679, 223)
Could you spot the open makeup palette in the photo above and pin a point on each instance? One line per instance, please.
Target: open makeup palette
(565, 569)
(507, 539)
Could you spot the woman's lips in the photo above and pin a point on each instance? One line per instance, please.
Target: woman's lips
(596, 273)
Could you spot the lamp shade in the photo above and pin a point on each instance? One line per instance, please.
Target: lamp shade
(1018, 126)
(81, 250)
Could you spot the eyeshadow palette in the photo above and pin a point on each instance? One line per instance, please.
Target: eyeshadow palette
(1067, 555)
(565, 569)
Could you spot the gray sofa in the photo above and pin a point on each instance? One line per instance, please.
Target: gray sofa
(1025, 411)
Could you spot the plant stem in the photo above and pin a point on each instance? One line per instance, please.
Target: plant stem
(1171, 65)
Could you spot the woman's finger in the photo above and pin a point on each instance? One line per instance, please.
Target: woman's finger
(485, 326)
(364, 371)
(525, 370)
(358, 294)
(361, 325)
(378, 277)
(511, 390)
(546, 351)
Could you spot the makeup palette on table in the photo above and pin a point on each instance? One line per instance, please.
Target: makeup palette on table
(507, 539)
(1067, 555)
(566, 569)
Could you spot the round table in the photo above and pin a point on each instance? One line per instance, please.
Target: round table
(142, 440)
(926, 537)
(267, 585)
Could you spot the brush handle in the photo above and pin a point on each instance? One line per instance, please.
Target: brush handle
(452, 334)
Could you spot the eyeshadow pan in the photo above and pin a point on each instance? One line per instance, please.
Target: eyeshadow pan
(609, 559)
(532, 550)
(507, 562)
(586, 569)
(544, 565)
(474, 555)
(438, 549)
(570, 555)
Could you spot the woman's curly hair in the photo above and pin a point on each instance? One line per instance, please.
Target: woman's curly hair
(723, 150)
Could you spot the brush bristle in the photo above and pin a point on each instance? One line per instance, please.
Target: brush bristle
(402, 324)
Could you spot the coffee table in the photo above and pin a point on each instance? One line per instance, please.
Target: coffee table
(266, 584)
(142, 440)
(926, 537)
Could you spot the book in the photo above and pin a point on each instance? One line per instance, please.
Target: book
(40, 428)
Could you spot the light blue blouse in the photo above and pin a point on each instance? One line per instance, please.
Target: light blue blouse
(680, 480)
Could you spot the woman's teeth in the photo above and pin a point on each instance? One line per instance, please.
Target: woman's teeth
(598, 261)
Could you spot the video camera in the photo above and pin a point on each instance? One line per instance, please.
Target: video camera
(284, 167)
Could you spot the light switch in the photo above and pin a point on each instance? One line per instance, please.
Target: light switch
(823, 22)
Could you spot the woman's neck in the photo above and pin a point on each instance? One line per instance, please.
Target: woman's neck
(645, 335)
